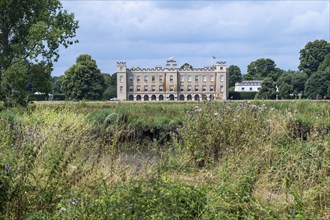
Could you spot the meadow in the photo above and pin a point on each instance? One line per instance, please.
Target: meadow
(211, 160)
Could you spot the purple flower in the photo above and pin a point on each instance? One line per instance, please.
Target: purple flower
(219, 123)
(38, 135)
(72, 202)
(11, 145)
(7, 168)
(30, 132)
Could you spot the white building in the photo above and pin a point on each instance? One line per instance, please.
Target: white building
(248, 86)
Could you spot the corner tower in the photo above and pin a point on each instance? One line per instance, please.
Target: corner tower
(121, 81)
(222, 91)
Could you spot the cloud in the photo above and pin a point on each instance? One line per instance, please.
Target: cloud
(238, 31)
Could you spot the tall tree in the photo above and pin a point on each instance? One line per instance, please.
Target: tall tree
(83, 80)
(235, 75)
(110, 86)
(261, 69)
(325, 65)
(313, 55)
(291, 83)
(317, 85)
(32, 31)
(268, 89)
(56, 84)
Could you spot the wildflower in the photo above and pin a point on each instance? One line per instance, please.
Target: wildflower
(216, 113)
(11, 145)
(219, 123)
(62, 210)
(37, 135)
(72, 202)
(7, 168)
(30, 132)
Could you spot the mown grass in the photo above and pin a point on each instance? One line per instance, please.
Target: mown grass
(240, 160)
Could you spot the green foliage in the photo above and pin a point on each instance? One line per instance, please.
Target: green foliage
(57, 84)
(31, 31)
(291, 83)
(110, 86)
(313, 55)
(235, 75)
(268, 89)
(237, 160)
(262, 68)
(317, 85)
(242, 95)
(83, 80)
(325, 65)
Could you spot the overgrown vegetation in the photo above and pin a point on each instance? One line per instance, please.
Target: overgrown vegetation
(237, 160)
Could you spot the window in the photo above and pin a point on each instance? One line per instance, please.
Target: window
(181, 88)
(172, 88)
(204, 78)
(196, 78)
(221, 68)
(153, 78)
(250, 88)
(221, 78)
(221, 88)
(138, 88)
(161, 78)
(121, 79)
(181, 78)
(203, 88)
(189, 78)
(153, 88)
(196, 88)
(146, 88)
(212, 78)
(131, 88)
(121, 89)
(146, 78)
(138, 78)
(211, 88)
(171, 78)
(242, 88)
(131, 78)
(189, 87)
(160, 88)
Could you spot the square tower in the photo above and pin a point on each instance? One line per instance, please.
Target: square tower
(222, 91)
(121, 81)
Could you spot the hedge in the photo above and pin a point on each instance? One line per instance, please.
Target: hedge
(242, 95)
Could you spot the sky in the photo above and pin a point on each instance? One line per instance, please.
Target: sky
(147, 33)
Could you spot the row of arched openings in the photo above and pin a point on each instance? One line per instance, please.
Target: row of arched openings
(171, 97)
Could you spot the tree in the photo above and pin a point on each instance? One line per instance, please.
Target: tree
(313, 55)
(268, 89)
(39, 79)
(31, 32)
(83, 80)
(325, 65)
(235, 75)
(317, 85)
(291, 83)
(56, 84)
(110, 86)
(261, 69)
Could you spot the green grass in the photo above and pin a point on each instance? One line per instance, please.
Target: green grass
(239, 160)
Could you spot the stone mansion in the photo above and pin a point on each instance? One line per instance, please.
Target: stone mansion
(172, 83)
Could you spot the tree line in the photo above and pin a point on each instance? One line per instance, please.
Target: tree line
(31, 33)
(311, 80)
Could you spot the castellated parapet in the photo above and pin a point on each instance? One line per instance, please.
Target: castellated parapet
(172, 83)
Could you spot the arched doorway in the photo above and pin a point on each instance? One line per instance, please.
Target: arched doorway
(182, 97)
(153, 98)
(161, 97)
(130, 97)
(211, 97)
(138, 98)
(189, 97)
(146, 98)
(171, 97)
(196, 97)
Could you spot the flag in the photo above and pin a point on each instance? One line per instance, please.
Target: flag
(213, 57)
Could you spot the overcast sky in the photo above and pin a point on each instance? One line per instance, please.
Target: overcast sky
(147, 33)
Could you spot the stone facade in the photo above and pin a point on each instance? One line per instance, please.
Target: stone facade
(248, 86)
(172, 83)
